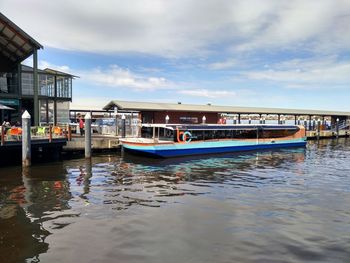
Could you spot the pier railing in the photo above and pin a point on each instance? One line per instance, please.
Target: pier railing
(14, 134)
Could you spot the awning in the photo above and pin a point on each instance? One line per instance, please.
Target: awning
(4, 107)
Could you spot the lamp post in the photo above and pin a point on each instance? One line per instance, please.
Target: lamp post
(337, 127)
(167, 118)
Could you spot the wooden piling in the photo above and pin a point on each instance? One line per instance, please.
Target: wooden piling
(69, 133)
(50, 133)
(2, 135)
(26, 140)
(88, 135)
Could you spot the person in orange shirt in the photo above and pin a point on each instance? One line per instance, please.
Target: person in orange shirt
(81, 126)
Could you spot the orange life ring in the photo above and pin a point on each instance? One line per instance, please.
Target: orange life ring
(186, 136)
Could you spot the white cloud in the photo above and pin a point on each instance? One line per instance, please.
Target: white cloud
(306, 73)
(226, 64)
(115, 76)
(112, 76)
(184, 27)
(208, 93)
(43, 64)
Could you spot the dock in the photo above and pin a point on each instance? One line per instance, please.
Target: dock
(99, 143)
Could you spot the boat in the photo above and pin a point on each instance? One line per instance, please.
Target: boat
(174, 140)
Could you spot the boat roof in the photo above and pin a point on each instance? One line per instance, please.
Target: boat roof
(224, 126)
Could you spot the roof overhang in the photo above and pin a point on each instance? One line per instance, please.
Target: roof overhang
(15, 44)
(150, 106)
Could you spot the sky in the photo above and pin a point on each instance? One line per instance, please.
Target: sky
(265, 53)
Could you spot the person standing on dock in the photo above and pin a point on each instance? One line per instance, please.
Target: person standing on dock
(81, 126)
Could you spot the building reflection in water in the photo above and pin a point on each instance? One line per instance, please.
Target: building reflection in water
(36, 202)
(29, 198)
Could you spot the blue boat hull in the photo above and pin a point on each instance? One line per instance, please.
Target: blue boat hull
(189, 149)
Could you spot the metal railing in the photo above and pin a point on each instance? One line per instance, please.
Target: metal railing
(14, 134)
(342, 125)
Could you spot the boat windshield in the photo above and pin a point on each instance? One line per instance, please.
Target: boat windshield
(206, 132)
(163, 133)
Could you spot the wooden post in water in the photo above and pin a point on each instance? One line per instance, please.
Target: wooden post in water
(318, 128)
(2, 135)
(26, 140)
(87, 135)
(50, 133)
(69, 133)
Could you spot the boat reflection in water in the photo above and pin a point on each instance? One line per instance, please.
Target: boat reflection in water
(213, 167)
(180, 140)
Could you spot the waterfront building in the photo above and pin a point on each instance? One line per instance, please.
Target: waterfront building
(180, 113)
(45, 94)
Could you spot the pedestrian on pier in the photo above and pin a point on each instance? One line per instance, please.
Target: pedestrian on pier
(81, 126)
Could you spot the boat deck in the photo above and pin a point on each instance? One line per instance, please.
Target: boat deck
(146, 141)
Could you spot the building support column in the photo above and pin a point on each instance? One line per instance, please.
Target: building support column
(47, 111)
(279, 118)
(309, 122)
(55, 102)
(19, 91)
(239, 118)
(36, 87)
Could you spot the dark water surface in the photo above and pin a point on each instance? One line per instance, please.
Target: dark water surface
(290, 205)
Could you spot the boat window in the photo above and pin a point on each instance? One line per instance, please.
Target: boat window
(146, 132)
(164, 134)
(199, 135)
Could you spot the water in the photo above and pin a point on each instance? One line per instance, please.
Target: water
(290, 205)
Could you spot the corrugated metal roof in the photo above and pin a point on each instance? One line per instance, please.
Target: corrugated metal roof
(153, 106)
